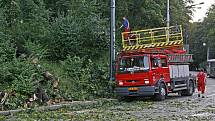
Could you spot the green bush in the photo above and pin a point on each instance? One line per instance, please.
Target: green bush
(80, 33)
(86, 80)
(20, 79)
(28, 29)
(18, 76)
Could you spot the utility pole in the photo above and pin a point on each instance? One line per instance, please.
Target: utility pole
(186, 45)
(208, 50)
(112, 43)
(208, 53)
(168, 20)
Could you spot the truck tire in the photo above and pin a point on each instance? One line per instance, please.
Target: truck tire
(161, 95)
(190, 90)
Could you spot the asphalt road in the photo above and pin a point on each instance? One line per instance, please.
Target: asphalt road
(174, 108)
(193, 107)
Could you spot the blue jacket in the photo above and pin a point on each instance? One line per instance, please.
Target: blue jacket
(125, 23)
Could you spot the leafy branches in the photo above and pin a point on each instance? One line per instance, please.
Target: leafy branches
(86, 79)
(204, 32)
(80, 33)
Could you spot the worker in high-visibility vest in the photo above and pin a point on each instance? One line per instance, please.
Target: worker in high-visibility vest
(201, 79)
(126, 26)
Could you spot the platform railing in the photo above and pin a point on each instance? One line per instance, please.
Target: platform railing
(157, 37)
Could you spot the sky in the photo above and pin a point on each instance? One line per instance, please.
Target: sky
(199, 14)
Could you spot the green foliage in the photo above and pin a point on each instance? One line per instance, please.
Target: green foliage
(25, 21)
(86, 79)
(152, 13)
(18, 76)
(7, 51)
(203, 32)
(21, 79)
(58, 7)
(80, 33)
(35, 50)
(26, 76)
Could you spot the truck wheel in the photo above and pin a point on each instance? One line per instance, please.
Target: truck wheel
(162, 93)
(190, 90)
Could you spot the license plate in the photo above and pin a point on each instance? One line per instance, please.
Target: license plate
(133, 89)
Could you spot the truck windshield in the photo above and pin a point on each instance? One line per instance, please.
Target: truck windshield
(133, 64)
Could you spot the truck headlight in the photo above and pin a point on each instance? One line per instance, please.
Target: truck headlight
(146, 82)
(120, 83)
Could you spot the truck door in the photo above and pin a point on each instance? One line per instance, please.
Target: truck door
(165, 69)
(155, 64)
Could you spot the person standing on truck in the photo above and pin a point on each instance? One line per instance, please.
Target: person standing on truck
(201, 80)
(126, 26)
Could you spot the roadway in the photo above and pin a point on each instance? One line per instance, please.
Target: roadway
(174, 108)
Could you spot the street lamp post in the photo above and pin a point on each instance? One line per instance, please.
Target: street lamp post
(186, 45)
(112, 43)
(168, 20)
(208, 51)
(168, 16)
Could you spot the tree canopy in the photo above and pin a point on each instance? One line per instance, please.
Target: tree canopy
(81, 27)
(203, 32)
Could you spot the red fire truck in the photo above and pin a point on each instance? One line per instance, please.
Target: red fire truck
(153, 63)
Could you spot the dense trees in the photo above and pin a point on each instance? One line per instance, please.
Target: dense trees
(203, 32)
(81, 33)
(152, 13)
(80, 28)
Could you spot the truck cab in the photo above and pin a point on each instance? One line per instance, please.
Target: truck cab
(137, 75)
(143, 68)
